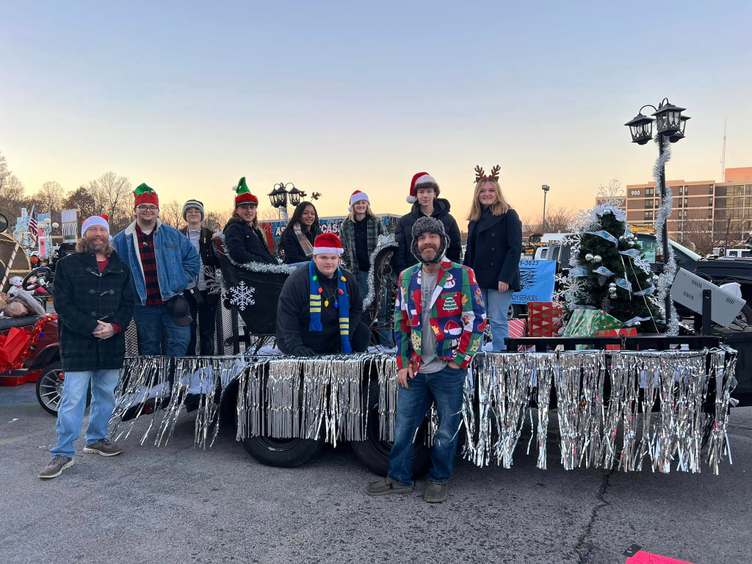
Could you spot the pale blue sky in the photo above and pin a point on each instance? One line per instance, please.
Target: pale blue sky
(342, 95)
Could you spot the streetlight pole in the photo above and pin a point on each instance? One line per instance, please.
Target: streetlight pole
(281, 195)
(545, 189)
(670, 126)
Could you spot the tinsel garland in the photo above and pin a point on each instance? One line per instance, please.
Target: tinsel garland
(666, 278)
(255, 266)
(601, 397)
(383, 242)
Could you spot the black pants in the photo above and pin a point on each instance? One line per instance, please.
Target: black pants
(204, 312)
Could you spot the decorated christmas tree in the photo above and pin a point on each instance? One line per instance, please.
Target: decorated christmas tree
(608, 273)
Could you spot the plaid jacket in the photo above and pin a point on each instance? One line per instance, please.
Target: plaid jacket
(458, 316)
(347, 234)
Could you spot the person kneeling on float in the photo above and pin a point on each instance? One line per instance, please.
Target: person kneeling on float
(320, 306)
(439, 320)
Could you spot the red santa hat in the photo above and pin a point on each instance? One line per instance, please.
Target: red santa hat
(357, 196)
(421, 180)
(327, 244)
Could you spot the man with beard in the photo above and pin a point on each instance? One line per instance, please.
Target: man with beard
(439, 321)
(94, 300)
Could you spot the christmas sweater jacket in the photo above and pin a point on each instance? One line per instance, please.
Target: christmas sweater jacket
(458, 316)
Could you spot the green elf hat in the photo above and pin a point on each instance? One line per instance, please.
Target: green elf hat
(243, 194)
(145, 194)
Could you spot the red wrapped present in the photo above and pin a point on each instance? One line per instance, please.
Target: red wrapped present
(543, 318)
(12, 345)
(623, 332)
(517, 328)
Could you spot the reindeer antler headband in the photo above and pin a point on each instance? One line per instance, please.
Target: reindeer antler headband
(481, 176)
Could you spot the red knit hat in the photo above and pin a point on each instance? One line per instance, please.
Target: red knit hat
(420, 178)
(145, 194)
(357, 196)
(327, 244)
(243, 194)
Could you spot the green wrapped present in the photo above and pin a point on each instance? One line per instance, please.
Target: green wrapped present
(587, 323)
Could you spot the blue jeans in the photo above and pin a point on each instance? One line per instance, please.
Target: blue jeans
(70, 414)
(158, 333)
(445, 387)
(497, 310)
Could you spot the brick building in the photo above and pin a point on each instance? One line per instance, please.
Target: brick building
(704, 212)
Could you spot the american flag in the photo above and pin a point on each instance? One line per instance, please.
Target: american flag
(33, 226)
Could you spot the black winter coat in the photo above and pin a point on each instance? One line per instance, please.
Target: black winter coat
(245, 243)
(293, 251)
(205, 247)
(293, 316)
(403, 257)
(494, 245)
(82, 296)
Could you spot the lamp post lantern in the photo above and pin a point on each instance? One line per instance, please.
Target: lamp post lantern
(545, 188)
(670, 126)
(281, 195)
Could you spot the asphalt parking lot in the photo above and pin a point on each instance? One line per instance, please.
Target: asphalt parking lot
(180, 504)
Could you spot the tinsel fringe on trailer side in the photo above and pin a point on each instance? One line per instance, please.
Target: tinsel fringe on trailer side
(327, 398)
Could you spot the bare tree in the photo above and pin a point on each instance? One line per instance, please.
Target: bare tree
(216, 220)
(559, 220)
(613, 192)
(171, 213)
(49, 198)
(112, 196)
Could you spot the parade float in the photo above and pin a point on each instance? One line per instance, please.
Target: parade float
(600, 377)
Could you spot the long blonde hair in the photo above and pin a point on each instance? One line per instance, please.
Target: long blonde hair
(499, 208)
(369, 212)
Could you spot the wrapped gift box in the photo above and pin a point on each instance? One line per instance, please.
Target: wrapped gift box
(517, 328)
(544, 319)
(623, 332)
(588, 322)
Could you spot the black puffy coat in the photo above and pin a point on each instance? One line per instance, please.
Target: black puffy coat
(403, 256)
(289, 242)
(82, 296)
(494, 246)
(293, 316)
(245, 243)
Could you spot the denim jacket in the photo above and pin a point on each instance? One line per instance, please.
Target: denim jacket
(177, 261)
(458, 316)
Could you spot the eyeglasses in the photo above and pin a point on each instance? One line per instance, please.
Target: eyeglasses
(147, 208)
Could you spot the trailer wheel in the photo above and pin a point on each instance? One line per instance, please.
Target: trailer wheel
(284, 453)
(374, 453)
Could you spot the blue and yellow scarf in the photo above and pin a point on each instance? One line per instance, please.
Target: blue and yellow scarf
(342, 303)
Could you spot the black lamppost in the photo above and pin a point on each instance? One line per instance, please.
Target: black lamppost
(545, 189)
(670, 125)
(280, 196)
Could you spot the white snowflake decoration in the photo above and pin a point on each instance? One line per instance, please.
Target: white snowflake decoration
(242, 296)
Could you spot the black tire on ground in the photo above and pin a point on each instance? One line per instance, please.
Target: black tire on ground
(374, 453)
(284, 453)
(50, 388)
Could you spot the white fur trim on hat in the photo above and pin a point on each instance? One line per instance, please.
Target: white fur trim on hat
(425, 179)
(92, 221)
(411, 199)
(358, 196)
(328, 251)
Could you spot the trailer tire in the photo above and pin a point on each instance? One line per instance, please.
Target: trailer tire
(283, 453)
(373, 453)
